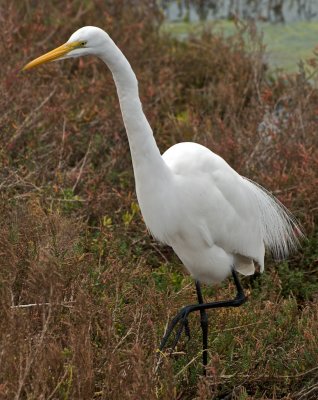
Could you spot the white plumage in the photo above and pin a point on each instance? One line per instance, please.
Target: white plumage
(190, 198)
(217, 218)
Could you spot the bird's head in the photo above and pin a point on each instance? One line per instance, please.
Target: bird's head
(85, 41)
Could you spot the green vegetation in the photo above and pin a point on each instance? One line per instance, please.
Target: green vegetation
(98, 289)
(286, 44)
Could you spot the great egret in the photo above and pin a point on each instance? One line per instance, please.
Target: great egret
(216, 221)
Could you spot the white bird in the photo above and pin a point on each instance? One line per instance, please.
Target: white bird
(216, 221)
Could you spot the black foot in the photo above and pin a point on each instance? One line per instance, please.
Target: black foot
(182, 317)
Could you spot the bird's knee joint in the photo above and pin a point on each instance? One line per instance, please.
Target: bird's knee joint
(239, 300)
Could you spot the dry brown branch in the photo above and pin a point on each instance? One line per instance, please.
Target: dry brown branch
(31, 117)
(32, 356)
(65, 304)
(62, 145)
(82, 166)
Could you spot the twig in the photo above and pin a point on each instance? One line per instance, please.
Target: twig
(47, 38)
(82, 166)
(189, 363)
(67, 200)
(62, 146)
(30, 117)
(58, 384)
(237, 327)
(24, 372)
(159, 252)
(286, 190)
(18, 181)
(296, 376)
(129, 332)
(66, 304)
(304, 394)
(139, 324)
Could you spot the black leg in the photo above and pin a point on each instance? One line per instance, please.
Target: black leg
(182, 316)
(204, 327)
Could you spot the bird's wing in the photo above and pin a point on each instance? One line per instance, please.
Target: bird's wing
(218, 199)
(233, 212)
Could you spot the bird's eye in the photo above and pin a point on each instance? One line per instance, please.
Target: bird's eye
(83, 44)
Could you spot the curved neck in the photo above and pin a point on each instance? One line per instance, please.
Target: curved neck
(146, 157)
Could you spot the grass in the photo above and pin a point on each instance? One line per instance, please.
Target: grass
(286, 44)
(97, 291)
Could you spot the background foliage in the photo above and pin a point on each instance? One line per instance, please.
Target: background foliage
(71, 236)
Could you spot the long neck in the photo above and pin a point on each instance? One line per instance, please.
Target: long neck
(146, 158)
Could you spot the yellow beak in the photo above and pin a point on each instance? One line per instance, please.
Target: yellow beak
(52, 55)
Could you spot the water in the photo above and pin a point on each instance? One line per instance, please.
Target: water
(290, 27)
(258, 10)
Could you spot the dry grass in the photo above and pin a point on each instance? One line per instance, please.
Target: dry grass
(74, 249)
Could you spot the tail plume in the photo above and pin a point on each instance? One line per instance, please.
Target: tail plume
(280, 230)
